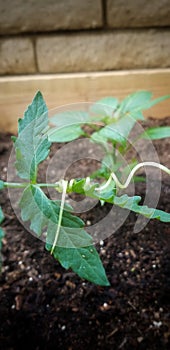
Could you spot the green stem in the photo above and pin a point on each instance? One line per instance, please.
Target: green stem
(62, 184)
(114, 152)
(25, 184)
(15, 184)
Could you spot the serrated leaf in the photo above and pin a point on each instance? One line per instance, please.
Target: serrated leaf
(69, 237)
(132, 203)
(73, 240)
(156, 133)
(35, 110)
(2, 185)
(32, 145)
(126, 202)
(84, 261)
(65, 134)
(70, 117)
(41, 211)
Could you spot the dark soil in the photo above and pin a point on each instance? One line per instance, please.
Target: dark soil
(43, 306)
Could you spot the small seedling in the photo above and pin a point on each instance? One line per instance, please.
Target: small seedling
(110, 123)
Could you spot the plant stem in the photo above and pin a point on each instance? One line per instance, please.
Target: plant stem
(62, 185)
(25, 184)
(15, 184)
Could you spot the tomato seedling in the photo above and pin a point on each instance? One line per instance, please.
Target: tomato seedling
(110, 123)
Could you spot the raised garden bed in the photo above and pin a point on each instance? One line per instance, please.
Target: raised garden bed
(45, 307)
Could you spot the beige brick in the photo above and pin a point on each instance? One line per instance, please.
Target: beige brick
(118, 50)
(138, 13)
(16, 56)
(48, 15)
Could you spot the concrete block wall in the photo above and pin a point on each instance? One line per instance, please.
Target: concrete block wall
(54, 36)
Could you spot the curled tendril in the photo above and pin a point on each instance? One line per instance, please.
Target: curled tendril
(60, 184)
(133, 171)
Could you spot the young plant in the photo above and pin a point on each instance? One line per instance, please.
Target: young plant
(110, 123)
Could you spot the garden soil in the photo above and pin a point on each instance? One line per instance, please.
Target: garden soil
(44, 307)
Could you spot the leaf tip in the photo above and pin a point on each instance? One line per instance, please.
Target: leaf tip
(38, 94)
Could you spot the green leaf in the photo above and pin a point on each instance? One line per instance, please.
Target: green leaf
(68, 126)
(126, 202)
(41, 211)
(104, 108)
(138, 101)
(131, 203)
(73, 240)
(84, 261)
(31, 212)
(65, 134)
(118, 131)
(2, 185)
(33, 112)
(44, 213)
(112, 134)
(99, 139)
(70, 117)
(102, 173)
(1, 215)
(136, 115)
(156, 133)
(156, 101)
(2, 234)
(32, 145)
(135, 102)
(108, 162)
(78, 186)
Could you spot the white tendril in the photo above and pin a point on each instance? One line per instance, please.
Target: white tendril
(87, 184)
(64, 187)
(103, 187)
(71, 184)
(127, 182)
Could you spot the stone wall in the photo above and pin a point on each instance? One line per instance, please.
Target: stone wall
(51, 36)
